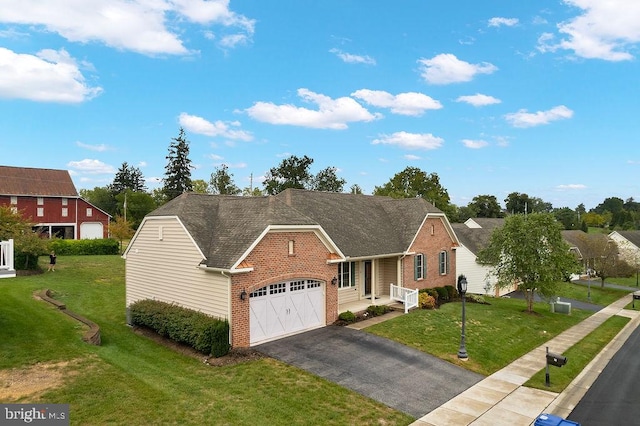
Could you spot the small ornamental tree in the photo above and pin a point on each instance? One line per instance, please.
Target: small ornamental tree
(530, 251)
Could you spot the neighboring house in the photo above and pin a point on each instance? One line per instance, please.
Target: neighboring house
(279, 265)
(628, 246)
(49, 200)
(7, 269)
(577, 240)
(474, 235)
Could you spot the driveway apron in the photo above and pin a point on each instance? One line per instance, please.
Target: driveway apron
(396, 375)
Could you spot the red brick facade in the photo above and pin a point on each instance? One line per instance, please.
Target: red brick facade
(432, 239)
(271, 264)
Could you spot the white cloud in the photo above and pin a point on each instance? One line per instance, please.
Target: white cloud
(99, 148)
(507, 22)
(224, 129)
(474, 144)
(412, 157)
(446, 68)
(353, 59)
(479, 100)
(604, 30)
(523, 118)
(410, 103)
(49, 76)
(572, 186)
(137, 25)
(215, 157)
(91, 166)
(331, 113)
(410, 140)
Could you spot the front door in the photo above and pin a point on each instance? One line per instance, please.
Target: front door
(367, 277)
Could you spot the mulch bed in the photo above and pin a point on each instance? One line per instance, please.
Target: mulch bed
(235, 356)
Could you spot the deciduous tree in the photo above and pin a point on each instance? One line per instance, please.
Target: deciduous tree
(222, 181)
(293, 172)
(530, 251)
(486, 206)
(328, 180)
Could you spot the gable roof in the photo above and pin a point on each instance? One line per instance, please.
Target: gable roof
(577, 240)
(24, 181)
(224, 226)
(363, 225)
(632, 236)
(475, 233)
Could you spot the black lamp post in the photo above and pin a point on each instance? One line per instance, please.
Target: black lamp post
(462, 289)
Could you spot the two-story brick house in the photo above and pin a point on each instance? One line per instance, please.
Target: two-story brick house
(49, 199)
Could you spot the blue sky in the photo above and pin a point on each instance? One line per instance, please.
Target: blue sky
(493, 96)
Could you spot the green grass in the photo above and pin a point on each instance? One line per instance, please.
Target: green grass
(496, 334)
(133, 380)
(628, 281)
(578, 356)
(599, 296)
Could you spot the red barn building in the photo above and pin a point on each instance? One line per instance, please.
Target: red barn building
(49, 199)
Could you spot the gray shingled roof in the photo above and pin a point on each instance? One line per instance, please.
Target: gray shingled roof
(24, 181)
(475, 239)
(632, 236)
(224, 227)
(362, 225)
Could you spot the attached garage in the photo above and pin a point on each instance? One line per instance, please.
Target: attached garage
(286, 308)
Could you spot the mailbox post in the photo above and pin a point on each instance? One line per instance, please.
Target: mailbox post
(555, 360)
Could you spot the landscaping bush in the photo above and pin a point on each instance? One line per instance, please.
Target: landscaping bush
(347, 316)
(203, 333)
(377, 310)
(433, 293)
(426, 301)
(452, 292)
(84, 247)
(443, 294)
(476, 298)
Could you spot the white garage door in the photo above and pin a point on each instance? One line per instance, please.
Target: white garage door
(90, 230)
(286, 308)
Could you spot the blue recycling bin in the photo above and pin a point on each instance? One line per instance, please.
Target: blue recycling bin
(551, 420)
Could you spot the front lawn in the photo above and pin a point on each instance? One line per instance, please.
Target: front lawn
(599, 296)
(496, 334)
(133, 380)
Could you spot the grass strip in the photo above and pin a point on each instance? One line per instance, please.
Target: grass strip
(578, 356)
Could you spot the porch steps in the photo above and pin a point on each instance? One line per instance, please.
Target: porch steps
(397, 306)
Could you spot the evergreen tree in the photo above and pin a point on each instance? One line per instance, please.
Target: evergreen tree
(178, 169)
(128, 177)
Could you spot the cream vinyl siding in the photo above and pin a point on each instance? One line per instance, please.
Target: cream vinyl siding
(476, 274)
(387, 274)
(351, 294)
(162, 264)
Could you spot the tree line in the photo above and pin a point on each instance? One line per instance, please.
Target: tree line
(128, 198)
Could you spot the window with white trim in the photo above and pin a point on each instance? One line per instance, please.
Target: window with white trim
(419, 266)
(443, 260)
(40, 201)
(14, 199)
(65, 212)
(40, 211)
(89, 212)
(65, 201)
(346, 274)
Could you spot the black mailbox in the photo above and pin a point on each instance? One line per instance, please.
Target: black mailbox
(556, 359)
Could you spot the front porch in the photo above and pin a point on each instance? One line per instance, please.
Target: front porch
(363, 304)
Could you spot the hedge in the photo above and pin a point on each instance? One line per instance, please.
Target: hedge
(85, 247)
(202, 332)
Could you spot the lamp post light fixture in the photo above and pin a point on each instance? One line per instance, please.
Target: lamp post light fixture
(462, 289)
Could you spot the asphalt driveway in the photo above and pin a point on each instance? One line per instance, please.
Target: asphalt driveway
(398, 376)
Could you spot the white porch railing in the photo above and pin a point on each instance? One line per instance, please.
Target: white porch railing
(6, 259)
(405, 295)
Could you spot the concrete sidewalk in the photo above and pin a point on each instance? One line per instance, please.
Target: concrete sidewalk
(500, 399)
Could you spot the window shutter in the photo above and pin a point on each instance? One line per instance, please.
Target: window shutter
(415, 267)
(447, 255)
(352, 273)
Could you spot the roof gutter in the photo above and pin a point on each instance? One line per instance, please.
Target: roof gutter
(377, 256)
(224, 271)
